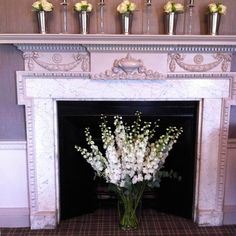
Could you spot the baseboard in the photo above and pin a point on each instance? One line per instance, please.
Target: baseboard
(229, 215)
(14, 217)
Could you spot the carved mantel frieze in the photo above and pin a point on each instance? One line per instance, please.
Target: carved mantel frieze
(129, 68)
(56, 61)
(199, 62)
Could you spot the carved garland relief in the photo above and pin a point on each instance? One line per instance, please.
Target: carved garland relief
(32, 58)
(177, 59)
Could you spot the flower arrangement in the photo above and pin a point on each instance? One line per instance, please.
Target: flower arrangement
(132, 160)
(171, 6)
(42, 5)
(126, 7)
(217, 7)
(83, 6)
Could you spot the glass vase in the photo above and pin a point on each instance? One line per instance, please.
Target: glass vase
(129, 212)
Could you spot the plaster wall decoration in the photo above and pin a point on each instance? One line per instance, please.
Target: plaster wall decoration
(128, 68)
(56, 61)
(219, 62)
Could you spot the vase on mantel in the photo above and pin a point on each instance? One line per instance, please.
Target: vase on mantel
(84, 22)
(42, 21)
(126, 23)
(214, 23)
(170, 23)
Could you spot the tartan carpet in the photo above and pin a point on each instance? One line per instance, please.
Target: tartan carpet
(104, 222)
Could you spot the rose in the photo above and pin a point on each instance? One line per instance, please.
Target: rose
(179, 7)
(126, 6)
(220, 8)
(213, 7)
(47, 6)
(42, 5)
(168, 7)
(36, 5)
(171, 6)
(83, 6)
(122, 8)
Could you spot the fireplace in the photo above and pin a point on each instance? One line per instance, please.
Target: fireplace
(139, 76)
(80, 193)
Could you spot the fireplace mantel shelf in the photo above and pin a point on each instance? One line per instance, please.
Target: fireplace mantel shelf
(92, 39)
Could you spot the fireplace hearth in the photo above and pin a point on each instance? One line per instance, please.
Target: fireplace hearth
(79, 193)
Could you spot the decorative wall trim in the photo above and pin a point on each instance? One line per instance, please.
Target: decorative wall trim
(177, 59)
(211, 75)
(12, 145)
(223, 155)
(50, 47)
(14, 217)
(31, 156)
(159, 48)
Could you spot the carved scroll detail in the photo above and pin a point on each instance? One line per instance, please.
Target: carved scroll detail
(220, 58)
(128, 68)
(33, 57)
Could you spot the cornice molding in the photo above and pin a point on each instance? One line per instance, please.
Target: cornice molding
(117, 42)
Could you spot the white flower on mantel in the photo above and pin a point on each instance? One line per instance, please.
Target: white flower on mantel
(42, 5)
(217, 8)
(83, 6)
(131, 155)
(171, 6)
(126, 7)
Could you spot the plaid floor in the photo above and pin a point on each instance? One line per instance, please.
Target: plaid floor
(103, 222)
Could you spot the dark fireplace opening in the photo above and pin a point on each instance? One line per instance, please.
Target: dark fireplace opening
(80, 193)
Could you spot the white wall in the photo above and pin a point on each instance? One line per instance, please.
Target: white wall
(13, 185)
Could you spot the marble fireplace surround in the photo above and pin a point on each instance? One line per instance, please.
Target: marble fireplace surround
(127, 71)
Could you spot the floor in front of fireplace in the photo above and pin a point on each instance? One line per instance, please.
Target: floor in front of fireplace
(104, 222)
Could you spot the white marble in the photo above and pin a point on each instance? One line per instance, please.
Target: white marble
(39, 90)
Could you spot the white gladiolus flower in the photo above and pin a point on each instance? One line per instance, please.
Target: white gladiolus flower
(130, 158)
(147, 177)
